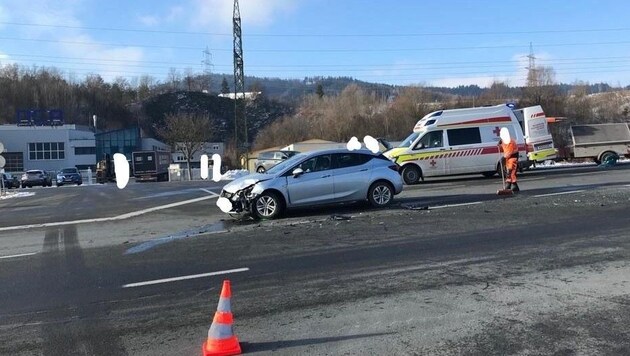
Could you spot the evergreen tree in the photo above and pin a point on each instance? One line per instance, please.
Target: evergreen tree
(225, 88)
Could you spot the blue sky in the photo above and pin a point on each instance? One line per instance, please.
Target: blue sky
(396, 42)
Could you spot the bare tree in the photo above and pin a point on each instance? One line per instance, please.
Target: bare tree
(186, 133)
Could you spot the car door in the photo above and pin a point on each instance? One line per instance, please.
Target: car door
(431, 153)
(351, 175)
(315, 185)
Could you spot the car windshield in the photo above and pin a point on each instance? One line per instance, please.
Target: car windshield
(409, 140)
(69, 170)
(34, 172)
(285, 164)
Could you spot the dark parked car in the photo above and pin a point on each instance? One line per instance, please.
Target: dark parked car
(69, 176)
(36, 177)
(10, 181)
(269, 159)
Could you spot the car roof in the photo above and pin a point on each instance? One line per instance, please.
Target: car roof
(34, 171)
(341, 150)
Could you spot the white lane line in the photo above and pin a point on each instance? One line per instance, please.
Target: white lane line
(210, 192)
(453, 205)
(193, 276)
(20, 255)
(113, 218)
(559, 193)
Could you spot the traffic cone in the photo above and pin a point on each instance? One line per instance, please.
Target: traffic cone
(221, 339)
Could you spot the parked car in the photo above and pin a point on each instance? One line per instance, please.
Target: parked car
(269, 159)
(10, 181)
(69, 176)
(314, 178)
(35, 177)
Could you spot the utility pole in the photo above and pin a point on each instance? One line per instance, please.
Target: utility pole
(240, 121)
(207, 68)
(532, 76)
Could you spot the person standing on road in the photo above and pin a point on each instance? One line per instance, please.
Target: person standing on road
(510, 158)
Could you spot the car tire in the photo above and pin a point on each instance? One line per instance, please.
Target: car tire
(267, 206)
(411, 174)
(79, 183)
(261, 170)
(608, 158)
(380, 194)
(59, 185)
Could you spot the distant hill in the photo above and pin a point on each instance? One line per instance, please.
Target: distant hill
(260, 113)
(291, 90)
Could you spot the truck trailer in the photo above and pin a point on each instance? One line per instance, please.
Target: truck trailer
(603, 143)
(150, 165)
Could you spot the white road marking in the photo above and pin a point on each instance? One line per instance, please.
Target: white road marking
(112, 218)
(453, 205)
(20, 255)
(193, 276)
(210, 192)
(559, 193)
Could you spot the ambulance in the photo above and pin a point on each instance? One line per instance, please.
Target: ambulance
(465, 141)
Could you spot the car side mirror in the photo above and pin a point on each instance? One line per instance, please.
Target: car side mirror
(297, 172)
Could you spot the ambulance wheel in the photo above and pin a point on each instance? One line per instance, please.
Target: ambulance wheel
(411, 174)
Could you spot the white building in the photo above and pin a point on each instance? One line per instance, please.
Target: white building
(208, 148)
(49, 148)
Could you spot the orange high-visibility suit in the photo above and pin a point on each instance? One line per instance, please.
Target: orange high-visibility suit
(510, 153)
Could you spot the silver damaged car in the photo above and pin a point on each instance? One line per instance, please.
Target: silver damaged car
(314, 178)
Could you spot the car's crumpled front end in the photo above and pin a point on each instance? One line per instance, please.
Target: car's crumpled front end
(237, 196)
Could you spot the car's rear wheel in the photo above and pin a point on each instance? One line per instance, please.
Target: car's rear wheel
(380, 194)
(261, 170)
(268, 205)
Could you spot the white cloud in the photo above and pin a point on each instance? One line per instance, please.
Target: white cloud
(149, 21)
(217, 14)
(175, 13)
(112, 61)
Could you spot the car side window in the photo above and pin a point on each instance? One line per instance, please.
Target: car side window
(431, 139)
(316, 164)
(344, 160)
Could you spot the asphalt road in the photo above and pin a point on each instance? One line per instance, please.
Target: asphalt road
(450, 269)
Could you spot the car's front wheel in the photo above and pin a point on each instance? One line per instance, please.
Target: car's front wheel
(411, 174)
(268, 205)
(380, 194)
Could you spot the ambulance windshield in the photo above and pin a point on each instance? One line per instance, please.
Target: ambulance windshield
(409, 140)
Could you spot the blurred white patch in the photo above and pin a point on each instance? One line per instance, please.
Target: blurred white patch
(204, 166)
(371, 143)
(224, 204)
(505, 135)
(353, 144)
(121, 168)
(216, 167)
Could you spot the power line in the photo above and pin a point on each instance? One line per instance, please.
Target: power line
(608, 59)
(318, 50)
(426, 34)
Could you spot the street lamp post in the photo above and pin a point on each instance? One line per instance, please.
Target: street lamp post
(94, 119)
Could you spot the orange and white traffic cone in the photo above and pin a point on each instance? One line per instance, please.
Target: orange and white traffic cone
(221, 339)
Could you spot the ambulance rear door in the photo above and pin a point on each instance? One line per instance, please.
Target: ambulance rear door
(537, 136)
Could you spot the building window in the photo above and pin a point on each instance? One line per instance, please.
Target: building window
(81, 151)
(215, 147)
(14, 161)
(38, 151)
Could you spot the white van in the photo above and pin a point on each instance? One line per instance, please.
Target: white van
(458, 141)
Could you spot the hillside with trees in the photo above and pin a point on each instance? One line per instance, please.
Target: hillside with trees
(289, 110)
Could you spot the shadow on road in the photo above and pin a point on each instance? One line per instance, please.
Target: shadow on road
(276, 345)
(77, 325)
